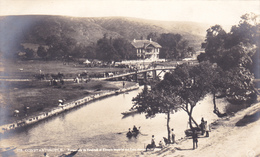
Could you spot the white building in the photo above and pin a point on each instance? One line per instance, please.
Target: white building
(147, 49)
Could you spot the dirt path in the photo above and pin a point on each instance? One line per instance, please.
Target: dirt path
(226, 139)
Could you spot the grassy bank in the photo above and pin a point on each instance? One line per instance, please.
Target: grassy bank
(28, 69)
(40, 96)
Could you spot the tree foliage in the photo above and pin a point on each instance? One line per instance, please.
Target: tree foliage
(157, 100)
(41, 52)
(174, 46)
(233, 52)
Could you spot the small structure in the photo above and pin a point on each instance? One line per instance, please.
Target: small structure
(147, 49)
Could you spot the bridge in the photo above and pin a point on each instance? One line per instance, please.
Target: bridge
(143, 72)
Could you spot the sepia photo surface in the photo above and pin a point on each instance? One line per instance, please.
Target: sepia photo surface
(129, 78)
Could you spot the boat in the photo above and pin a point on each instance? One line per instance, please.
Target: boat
(132, 134)
(188, 132)
(131, 111)
(70, 154)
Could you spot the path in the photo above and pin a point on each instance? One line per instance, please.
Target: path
(226, 140)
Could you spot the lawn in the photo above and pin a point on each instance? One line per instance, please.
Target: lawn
(40, 95)
(28, 69)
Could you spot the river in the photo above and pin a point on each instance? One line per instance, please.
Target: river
(98, 129)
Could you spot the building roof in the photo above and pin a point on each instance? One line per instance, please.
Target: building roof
(145, 43)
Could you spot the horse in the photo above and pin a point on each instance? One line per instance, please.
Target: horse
(150, 147)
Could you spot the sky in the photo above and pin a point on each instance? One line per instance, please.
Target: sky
(221, 12)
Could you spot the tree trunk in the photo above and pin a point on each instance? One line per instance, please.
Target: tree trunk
(194, 121)
(191, 118)
(216, 111)
(168, 126)
(214, 101)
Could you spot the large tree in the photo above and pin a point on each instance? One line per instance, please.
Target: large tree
(157, 100)
(41, 52)
(191, 84)
(233, 53)
(173, 46)
(124, 49)
(106, 51)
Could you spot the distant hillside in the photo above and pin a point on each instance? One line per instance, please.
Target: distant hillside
(35, 29)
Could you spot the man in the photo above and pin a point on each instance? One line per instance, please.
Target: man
(207, 128)
(135, 129)
(153, 141)
(202, 126)
(173, 136)
(194, 138)
(129, 134)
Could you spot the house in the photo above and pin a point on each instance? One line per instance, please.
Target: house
(147, 49)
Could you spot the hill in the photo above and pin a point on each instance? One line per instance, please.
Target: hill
(36, 29)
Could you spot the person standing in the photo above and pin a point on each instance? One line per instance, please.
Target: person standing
(173, 136)
(153, 141)
(194, 138)
(123, 84)
(202, 126)
(207, 129)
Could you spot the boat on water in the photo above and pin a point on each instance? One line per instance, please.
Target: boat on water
(70, 154)
(131, 111)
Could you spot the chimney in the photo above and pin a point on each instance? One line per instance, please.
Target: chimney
(134, 40)
(150, 39)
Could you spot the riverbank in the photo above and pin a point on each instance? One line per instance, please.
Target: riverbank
(69, 104)
(231, 136)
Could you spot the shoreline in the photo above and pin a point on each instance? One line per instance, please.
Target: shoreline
(224, 134)
(60, 109)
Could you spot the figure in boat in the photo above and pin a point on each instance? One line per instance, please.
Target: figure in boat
(129, 133)
(134, 132)
(135, 129)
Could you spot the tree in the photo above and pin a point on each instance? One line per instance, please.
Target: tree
(233, 53)
(190, 82)
(29, 53)
(152, 36)
(124, 48)
(157, 100)
(90, 52)
(173, 46)
(41, 52)
(106, 51)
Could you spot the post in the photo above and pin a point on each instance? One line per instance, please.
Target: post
(154, 74)
(135, 77)
(145, 76)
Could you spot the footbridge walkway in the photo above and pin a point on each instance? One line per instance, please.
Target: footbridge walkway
(155, 72)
